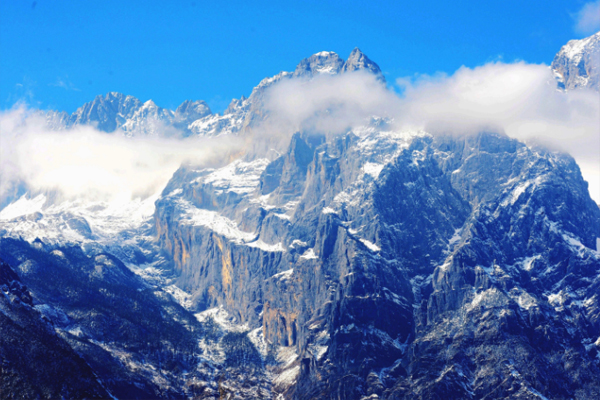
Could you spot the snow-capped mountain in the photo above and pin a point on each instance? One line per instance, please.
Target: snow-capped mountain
(577, 64)
(377, 263)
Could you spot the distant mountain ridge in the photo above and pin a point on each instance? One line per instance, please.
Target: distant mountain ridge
(118, 111)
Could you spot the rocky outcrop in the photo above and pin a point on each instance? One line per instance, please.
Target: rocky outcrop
(358, 61)
(106, 112)
(324, 62)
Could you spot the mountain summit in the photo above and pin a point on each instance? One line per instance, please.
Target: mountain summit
(328, 62)
(359, 61)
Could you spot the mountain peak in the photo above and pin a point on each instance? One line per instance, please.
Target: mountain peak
(192, 110)
(324, 62)
(359, 61)
(329, 62)
(150, 103)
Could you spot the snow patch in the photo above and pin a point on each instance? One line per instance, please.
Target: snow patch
(371, 246)
(309, 255)
(258, 340)
(455, 238)
(285, 275)
(298, 243)
(213, 221)
(523, 299)
(490, 298)
(527, 263)
(287, 378)
(239, 177)
(286, 356)
(267, 247)
(372, 169)
(222, 318)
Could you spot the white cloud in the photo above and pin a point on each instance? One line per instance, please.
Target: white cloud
(587, 20)
(328, 103)
(86, 163)
(65, 84)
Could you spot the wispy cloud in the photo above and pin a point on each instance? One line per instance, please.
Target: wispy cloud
(65, 84)
(330, 104)
(587, 20)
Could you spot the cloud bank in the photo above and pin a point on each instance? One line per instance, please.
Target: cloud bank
(587, 20)
(86, 163)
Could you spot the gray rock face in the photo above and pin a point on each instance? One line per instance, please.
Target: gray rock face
(192, 110)
(117, 111)
(577, 64)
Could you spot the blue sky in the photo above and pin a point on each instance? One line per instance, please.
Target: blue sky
(61, 54)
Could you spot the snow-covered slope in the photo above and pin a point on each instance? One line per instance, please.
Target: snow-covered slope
(123, 228)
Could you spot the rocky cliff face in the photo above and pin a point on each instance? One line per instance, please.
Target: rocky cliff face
(371, 253)
(577, 64)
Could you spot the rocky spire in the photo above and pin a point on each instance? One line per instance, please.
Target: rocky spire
(359, 61)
